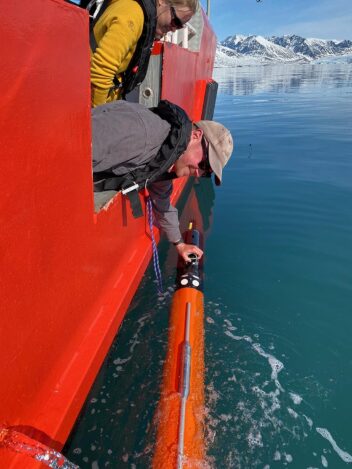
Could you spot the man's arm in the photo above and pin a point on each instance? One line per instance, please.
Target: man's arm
(166, 216)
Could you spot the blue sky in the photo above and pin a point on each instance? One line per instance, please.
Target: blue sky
(324, 19)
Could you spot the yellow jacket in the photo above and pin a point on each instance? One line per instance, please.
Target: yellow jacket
(116, 32)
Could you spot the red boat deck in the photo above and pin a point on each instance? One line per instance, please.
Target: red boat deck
(68, 273)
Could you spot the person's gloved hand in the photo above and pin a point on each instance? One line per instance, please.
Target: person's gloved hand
(185, 249)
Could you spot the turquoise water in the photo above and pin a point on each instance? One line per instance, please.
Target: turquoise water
(278, 291)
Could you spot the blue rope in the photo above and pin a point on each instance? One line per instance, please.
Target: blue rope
(155, 249)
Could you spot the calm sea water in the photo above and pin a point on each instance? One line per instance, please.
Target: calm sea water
(278, 292)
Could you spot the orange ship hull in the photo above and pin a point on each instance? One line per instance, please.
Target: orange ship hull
(68, 272)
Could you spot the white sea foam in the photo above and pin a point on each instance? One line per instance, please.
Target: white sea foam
(121, 361)
(254, 438)
(295, 398)
(276, 365)
(346, 457)
(324, 461)
(213, 395)
(234, 337)
(309, 421)
(271, 397)
(229, 325)
(238, 337)
(210, 320)
(292, 412)
(265, 413)
(141, 323)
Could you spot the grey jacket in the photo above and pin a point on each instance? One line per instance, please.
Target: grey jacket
(125, 136)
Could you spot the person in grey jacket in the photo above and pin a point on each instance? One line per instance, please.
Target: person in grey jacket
(128, 137)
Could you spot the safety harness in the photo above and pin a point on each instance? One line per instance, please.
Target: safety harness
(138, 66)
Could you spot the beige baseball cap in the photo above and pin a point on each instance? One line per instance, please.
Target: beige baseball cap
(220, 146)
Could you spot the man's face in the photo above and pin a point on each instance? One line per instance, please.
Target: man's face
(188, 163)
(170, 18)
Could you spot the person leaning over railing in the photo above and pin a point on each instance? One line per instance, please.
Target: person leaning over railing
(135, 147)
(122, 38)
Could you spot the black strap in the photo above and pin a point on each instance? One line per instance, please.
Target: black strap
(92, 40)
(135, 202)
(106, 182)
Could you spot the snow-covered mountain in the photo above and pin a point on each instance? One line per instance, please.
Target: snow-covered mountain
(240, 49)
(312, 48)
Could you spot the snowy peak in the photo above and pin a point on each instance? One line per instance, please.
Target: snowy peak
(259, 46)
(288, 48)
(231, 41)
(311, 47)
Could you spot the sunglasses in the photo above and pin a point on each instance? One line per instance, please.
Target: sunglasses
(175, 20)
(204, 165)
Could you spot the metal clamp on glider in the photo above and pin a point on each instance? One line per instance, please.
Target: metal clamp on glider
(194, 258)
(190, 273)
